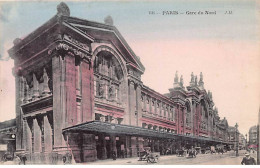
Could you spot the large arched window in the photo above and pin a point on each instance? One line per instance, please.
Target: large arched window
(107, 65)
(109, 75)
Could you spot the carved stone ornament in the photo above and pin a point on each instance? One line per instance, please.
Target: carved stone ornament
(101, 89)
(111, 92)
(63, 9)
(76, 42)
(109, 20)
(65, 47)
(17, 41)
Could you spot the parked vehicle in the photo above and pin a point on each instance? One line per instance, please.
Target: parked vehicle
(191, 153)
(151, 157)
(181, 152)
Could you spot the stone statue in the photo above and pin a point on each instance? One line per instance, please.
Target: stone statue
(181, 81)
(63, 9)
(201, 77)
(101, 89)
(192, 78)
(111, 92)
(108, 20)
(176, 78)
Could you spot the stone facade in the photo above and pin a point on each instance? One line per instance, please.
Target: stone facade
(253, 136)
(71, 71)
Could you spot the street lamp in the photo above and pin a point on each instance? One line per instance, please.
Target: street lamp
(236, 140)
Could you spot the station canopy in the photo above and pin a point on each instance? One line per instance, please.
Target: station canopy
(120, 129)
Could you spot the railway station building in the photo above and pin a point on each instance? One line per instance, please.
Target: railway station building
(79, 94)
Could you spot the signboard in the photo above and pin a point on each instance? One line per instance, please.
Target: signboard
(3, 147)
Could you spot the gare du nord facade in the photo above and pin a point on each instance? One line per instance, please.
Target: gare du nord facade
(79, 92)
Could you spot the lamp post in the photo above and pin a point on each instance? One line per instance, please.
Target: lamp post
(236, 140)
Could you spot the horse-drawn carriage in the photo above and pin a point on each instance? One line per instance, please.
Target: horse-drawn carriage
(148, 156)
(191, 153)
(181, 152)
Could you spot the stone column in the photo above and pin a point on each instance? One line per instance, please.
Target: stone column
(78, 79)
(103, 146)
(47, 135)
(78, 91)
(144, 103)
(37, 146)
(89, 148)
(128, 146)
(22, 89)
(113, 145)
(152, 145)
(46, 90)
(193, 117)
(79, 112)
(184, 120)
(150, 106)
(70, 85)
(59, 99)
(132, 103)
(27, 133)
(178, 119)
(35, 95)
(199, 118)
(18, 112)
(133, 146)
(74, 145)
(157, 145)
(138, 105)
(26, 96)
(140, 143)
(87, 86)
(37, 136)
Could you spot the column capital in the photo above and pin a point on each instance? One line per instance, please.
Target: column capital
(64, 49)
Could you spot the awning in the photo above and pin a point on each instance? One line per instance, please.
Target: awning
(120, 129)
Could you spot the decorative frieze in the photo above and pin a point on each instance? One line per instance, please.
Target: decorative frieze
(76, 42)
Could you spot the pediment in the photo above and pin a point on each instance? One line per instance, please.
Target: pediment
(101, 32)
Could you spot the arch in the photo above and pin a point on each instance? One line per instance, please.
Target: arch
(188, 105)
(206, 107)
(107, 49)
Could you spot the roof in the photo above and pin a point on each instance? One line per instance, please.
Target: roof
(120, 129)
(93, 31)
(8, 124)
(253, 128)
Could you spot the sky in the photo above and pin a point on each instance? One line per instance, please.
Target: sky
(224, 47)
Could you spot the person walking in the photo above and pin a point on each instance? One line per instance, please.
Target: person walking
(248, 160)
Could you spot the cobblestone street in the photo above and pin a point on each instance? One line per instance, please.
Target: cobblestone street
(228, 158)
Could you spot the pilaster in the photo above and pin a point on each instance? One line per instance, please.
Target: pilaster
(87, 91)
(59, 99)
(132, 103)
(138, 105)
(47, 134)
(19, 115)
(36, 137)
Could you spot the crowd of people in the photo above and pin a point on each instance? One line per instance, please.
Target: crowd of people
(13, 159)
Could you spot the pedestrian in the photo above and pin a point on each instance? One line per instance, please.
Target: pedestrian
(24, 159)
(114, 155)
(248, 160)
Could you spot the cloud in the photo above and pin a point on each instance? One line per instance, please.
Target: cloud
(5, 12)
(4, 56)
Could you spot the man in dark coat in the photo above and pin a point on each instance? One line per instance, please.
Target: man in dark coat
(248, 160)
